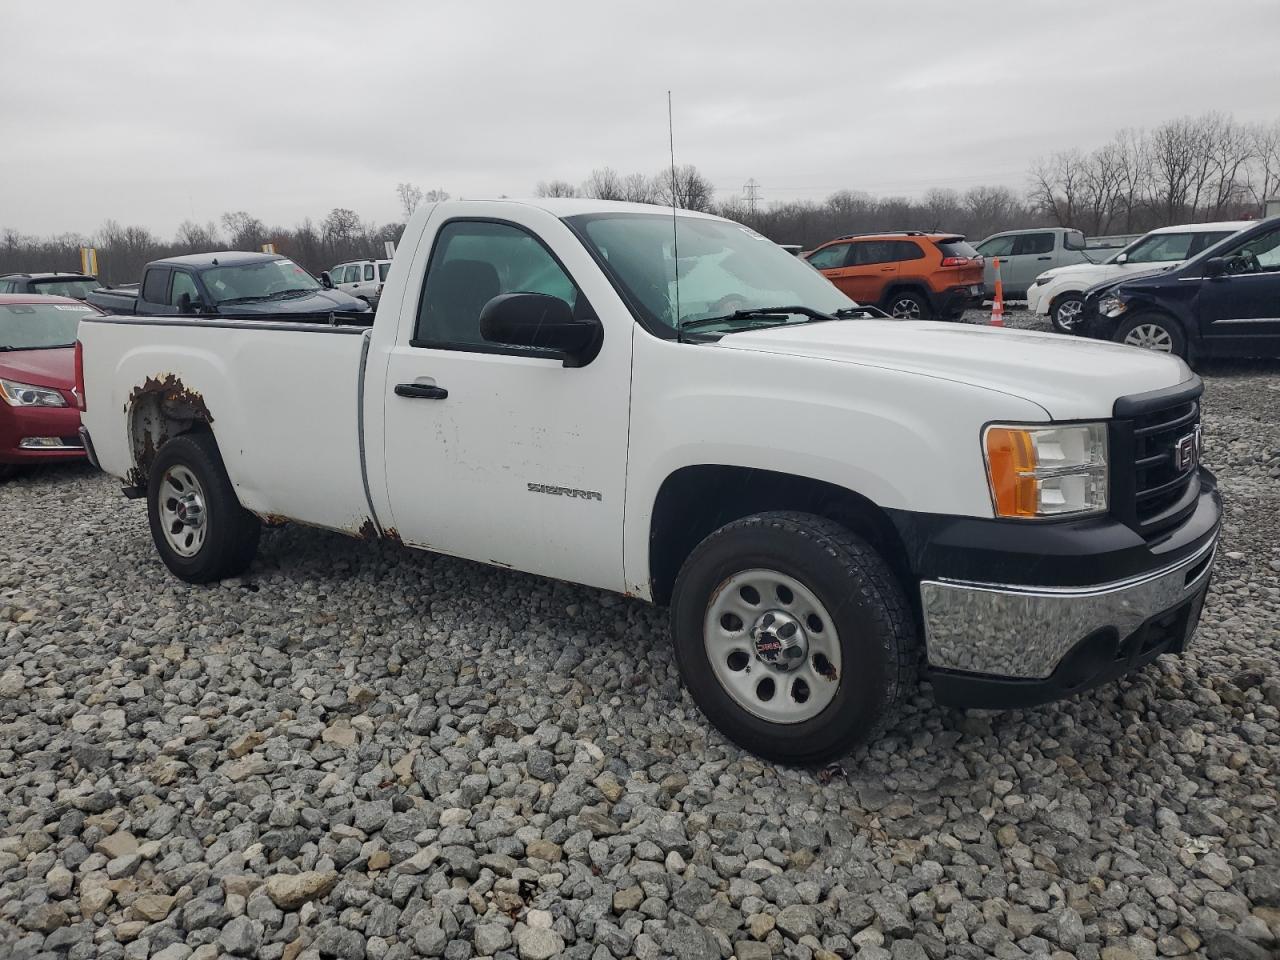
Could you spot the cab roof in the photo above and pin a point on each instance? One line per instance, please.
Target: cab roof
(225, 258)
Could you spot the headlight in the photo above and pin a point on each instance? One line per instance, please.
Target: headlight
(1047, 471)
(25, 395)
(1112, 306)
(1042, 280)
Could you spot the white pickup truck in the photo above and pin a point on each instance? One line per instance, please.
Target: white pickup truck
(829, 503)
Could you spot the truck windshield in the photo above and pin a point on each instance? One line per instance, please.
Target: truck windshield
(263, 280)
(725, 268)
(38, 326)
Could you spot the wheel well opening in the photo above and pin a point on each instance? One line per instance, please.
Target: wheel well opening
(158, 411)
(696, 501)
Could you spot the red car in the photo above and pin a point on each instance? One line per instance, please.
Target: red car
(39, 417)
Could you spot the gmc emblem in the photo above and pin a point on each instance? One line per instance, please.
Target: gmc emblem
(1184, 453)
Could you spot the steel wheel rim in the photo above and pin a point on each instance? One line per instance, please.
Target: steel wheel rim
(1069, 313)
(790, 689)
(905, 309)
(183, 515)
(1150, 336)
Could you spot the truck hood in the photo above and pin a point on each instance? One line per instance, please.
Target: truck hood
(321, 301)
(55, 367)
(1071, 378)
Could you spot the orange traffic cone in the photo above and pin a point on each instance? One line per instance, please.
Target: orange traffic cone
(997, 305)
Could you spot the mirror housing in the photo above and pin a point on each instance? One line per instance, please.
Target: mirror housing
(326, 280)
(1122, 258)
(1073, 240)
(1215, 267)
(184, 303)
(542, 322)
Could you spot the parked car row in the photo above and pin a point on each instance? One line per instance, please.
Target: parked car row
(1058, 292)
(362, 279)
(1225, 301)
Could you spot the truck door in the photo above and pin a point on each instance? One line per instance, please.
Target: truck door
(497, 453)
(1032, 255)
(153, 294)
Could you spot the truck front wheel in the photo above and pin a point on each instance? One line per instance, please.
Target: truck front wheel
(792, 635)
(200, 530)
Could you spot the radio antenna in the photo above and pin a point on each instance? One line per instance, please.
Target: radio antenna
(675, 242)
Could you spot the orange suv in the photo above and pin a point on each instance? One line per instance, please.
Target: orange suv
(907, 274)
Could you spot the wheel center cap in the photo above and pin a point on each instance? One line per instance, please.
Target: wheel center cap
(780, 640)
(190, 510)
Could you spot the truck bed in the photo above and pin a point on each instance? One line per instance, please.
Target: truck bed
(283, 398)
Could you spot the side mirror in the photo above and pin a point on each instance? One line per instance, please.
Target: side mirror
(540, 321)
(187, 305)
(1122, 258)
(326, 280)
(1215, 267)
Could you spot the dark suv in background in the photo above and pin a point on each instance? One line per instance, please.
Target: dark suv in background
(73, 285)
(1224, 302)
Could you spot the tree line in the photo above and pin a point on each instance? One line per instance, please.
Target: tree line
(1190, 169)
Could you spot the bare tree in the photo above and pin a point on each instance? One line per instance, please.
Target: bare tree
(692, 191)
(198, 238)
(435, 196)
(244, 232)
(1265, 185)
(603, 184)
(638, 188)
(410, 196)
(556, 188)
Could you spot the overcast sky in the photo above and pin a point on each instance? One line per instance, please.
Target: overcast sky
(156, 112)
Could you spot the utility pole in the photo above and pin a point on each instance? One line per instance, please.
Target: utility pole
(751, 191)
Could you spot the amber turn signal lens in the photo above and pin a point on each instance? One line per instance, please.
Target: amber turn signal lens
(1011, 464)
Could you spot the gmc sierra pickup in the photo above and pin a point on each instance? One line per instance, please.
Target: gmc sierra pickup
(830, 504)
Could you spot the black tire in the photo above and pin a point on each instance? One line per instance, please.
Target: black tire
(908, 304)
(875, 630)
(1064, 304)
(1158, 325)
(231, 531)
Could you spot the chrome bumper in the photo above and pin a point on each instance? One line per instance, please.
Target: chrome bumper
(1024, 632)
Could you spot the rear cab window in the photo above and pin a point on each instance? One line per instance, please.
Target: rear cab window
(155, 285)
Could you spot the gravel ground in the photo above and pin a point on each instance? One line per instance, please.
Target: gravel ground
(356, 751)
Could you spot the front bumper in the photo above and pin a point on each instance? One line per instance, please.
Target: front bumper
(22, 427)
(1036, 626)
(1038, 299)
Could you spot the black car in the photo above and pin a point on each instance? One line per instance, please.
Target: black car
(1223, 303)
(74, 285)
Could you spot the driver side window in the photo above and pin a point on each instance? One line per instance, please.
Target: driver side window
(473, 262)
(182, 283)
(1259, 255)
(830, 258)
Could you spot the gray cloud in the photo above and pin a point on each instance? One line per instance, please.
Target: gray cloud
(156, 112)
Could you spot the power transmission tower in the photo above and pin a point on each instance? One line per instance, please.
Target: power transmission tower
(751, 191)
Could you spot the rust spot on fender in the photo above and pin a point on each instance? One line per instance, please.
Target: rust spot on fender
(367, 530)
(392, 534)
(174, 394)
(272, 519)
(176, 403)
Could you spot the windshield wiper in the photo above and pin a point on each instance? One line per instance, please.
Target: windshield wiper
(246, 299)
(815, 316)
(290, 291)
(865, 313)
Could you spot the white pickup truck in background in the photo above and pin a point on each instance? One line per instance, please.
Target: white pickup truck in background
(828, 503)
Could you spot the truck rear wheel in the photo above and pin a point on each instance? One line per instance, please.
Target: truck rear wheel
(792, 635)
(200, 530)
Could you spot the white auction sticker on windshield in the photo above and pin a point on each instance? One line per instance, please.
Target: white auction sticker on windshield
(752, 234)
(78, 307)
